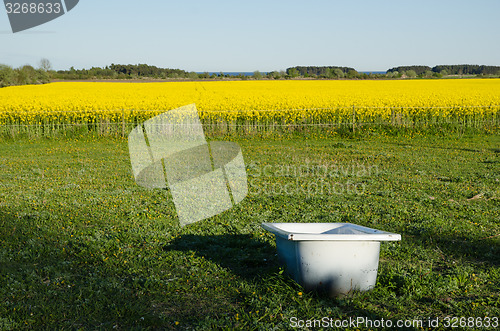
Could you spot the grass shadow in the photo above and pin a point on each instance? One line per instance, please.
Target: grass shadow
(244, 255)
(475, 250)
(41, 269)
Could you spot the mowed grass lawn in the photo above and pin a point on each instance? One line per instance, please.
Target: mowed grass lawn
(82, 246)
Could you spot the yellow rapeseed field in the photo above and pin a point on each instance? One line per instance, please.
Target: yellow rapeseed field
(253, 102)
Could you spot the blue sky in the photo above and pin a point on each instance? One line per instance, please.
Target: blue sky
(220, 35)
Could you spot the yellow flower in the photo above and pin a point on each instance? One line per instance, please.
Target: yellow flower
(104, 107)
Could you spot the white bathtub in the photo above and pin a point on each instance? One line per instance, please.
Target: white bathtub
(334, 257)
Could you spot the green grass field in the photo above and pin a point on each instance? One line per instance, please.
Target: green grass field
(83, 247)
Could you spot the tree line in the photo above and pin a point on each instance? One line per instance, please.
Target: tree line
(414, 71)
(25, 75)
(322, 72)
(144, 71)
(121, 71)
(444, 70)
(44, 73)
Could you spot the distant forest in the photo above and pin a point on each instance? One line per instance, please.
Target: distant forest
(121, 71)
(397, 72)
(45, 74)
(322, 72)
(25, 75)
(138, 71)
(461, 69)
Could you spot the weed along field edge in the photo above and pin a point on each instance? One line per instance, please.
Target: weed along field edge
(253, 107)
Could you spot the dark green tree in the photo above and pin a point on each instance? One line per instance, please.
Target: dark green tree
(6, 75)
(293, 73)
